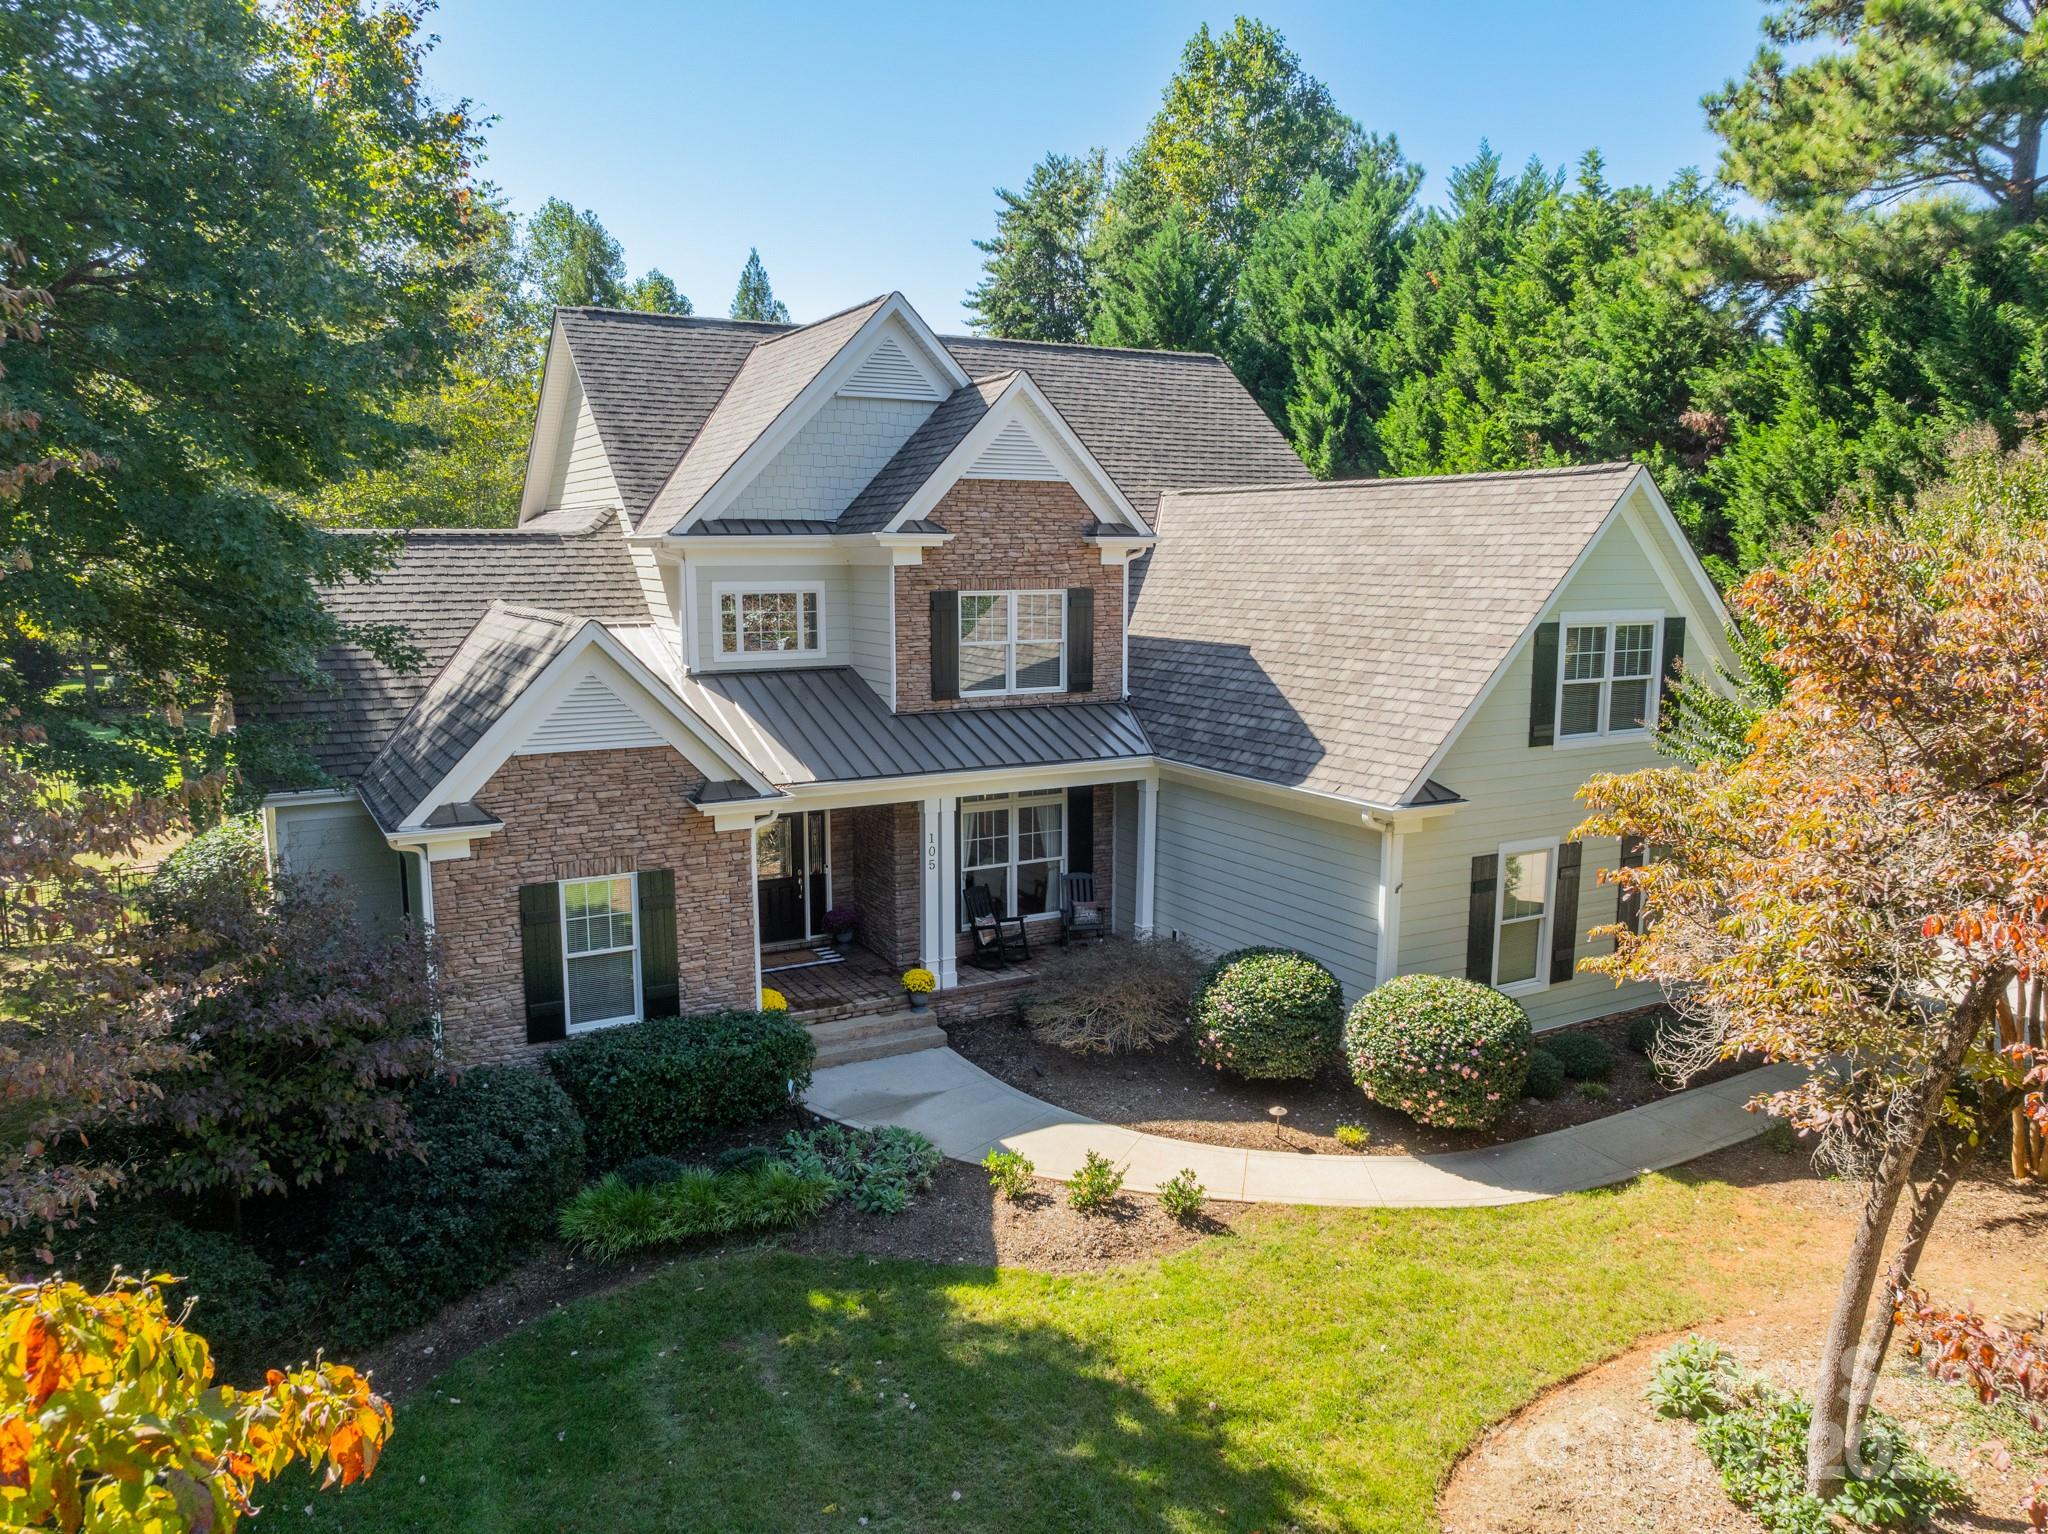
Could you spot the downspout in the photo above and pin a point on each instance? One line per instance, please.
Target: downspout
(426, 858)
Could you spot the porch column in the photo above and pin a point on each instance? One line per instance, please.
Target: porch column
(1148, 842)
(939, 863)
(1388, 913)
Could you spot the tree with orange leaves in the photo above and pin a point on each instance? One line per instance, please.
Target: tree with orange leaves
(1860, 889)
(109, 1418)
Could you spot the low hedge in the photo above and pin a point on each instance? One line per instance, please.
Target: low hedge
(1268, 1014)
(659, 1087)
(1546, 1075)
(1584, 1056)
(1447, 1052)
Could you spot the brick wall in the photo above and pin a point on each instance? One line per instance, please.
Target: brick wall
(1105, 845)
(1009, 535)
(879, 846)
(580, 815)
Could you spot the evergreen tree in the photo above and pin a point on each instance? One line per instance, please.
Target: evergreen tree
(572, 259)
(755, 300)
(1037, 277)
(655, 293)
(1170, 295)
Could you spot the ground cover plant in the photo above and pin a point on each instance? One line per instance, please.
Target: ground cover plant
(615, 1218)
(878, 1171)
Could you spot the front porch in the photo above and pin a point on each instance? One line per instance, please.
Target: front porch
(864, 984)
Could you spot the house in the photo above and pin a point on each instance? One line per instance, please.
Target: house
(854, 613)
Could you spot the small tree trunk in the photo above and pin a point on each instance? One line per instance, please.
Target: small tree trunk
(1826, 1439)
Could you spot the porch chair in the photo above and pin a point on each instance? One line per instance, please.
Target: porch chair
(1081, 914)
(997, 939)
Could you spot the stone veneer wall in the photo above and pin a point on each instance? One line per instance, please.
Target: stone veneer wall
(879, 846)
(1009, 535)
(580, 815)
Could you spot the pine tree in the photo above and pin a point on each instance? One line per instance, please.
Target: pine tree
(1170, 295)
(1037, 275)
(755, 300)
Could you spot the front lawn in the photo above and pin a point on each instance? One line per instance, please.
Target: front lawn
(1319, 1369)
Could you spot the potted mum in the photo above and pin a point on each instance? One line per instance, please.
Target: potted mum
(918, 985)
(840, 922)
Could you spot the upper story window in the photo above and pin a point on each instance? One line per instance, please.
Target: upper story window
(1607, 676)
(1012, 642)
(770, 621)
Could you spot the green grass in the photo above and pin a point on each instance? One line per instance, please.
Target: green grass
(1319, 1369)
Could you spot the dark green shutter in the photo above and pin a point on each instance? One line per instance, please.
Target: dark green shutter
(945, 645)
(1674, 658)
(1564, 921)
(1081, 830)
(1628, 903)
(1543, 685)
(1080, 639)
(1479, 926)
(540, 954)
(659, 994)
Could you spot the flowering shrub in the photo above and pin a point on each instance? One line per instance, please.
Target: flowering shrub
(773, 1000)
(1268, 1013)
(1447, 1052)
(841, 918)
(919, 981)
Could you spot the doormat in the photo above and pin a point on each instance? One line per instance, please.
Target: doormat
(826, 955)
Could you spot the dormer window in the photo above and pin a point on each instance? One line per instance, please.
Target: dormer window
(1012, 642)
(770, 622)
(1607, 682)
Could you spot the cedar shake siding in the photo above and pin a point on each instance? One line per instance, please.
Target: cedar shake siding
(1009, 535)
(580, 815)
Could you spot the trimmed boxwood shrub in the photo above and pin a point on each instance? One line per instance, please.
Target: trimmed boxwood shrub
(501, 1152)
(1584, 1056)
(1268, 1014)
(1447, 1052)
(1546, 1075)
(656, 1088)
(1646, 1032)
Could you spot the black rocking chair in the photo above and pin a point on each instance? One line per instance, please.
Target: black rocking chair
(997, 939)
(1081, 914)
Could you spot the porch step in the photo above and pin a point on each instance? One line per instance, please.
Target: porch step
(876, 1037)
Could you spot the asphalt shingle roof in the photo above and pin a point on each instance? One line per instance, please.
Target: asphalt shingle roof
(1330, 636)
(920, 456)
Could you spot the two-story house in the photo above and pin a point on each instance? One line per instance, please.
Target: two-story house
(853, 613)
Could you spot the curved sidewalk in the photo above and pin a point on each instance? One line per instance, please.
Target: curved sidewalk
(966, 1112)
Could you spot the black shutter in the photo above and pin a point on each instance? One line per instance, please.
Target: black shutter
(1081, 830)
(1628, 903)
(1479, 930)
(1674, 658)
(1564, 921)
(659, 994)
(540, 950)
(945, 645)
(1543, 685)
(1080, 639)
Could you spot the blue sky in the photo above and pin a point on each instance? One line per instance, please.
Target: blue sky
(858, 146)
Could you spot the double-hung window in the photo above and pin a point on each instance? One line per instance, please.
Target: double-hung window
(1015, 847)
(1521, 934)
(1012, 641)
(601, 949)
(1607, 679)
(770, 621)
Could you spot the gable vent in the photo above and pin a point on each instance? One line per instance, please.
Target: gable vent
(591, 718)
(1014, 454)
(888, 373)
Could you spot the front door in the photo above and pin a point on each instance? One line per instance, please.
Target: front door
(780, 848)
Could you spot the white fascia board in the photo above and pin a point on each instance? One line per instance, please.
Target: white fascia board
(1689, 585)
(549, 407)
(810, 399)
(747, 547)
(1310, 801)
(693, 736)
(1024, 402)
(283, 798)
(842, 795)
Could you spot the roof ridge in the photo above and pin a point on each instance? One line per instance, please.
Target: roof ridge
(1560, 471)
(706, 320)
(797, 330)
(598, 519)
(1086, 346)
(527, 610)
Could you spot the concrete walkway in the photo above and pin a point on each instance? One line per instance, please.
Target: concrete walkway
(966, 1112)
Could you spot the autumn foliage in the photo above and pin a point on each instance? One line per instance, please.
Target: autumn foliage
(110, 1420)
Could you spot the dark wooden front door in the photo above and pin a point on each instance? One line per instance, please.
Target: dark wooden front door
(782, 871)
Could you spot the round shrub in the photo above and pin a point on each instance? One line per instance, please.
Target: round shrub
(1446, 1052)
(501, 1152)
(1268, 1014)
(1584, 1056)
(219, 871)
(1546, 1075)
(1646, 1032)
(648, 1171)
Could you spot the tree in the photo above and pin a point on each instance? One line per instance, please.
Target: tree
(243, 228)
(755, 300)
(1859, 890)
(572, 261)
(110, 1420)
(1037, 277)
(1170, 295)
(656, 293)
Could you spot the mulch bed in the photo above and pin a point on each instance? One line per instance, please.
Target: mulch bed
(1168, 1092)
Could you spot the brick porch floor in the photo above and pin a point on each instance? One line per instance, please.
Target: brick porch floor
(864, 983)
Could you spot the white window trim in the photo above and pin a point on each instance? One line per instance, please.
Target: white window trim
(1010, 689)
(749, 659)
(562, 925)
(1608, 620)
(1010, 804)
(1541, 981)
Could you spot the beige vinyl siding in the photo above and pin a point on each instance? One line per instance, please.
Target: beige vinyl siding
(871, 632)
(1123, 847)
(832, 577)
(1517, 792)
(320, 841)
(582, 472)
(1232, 872)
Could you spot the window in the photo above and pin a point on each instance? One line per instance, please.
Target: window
(1012, 641)
(601, 950)
(770, 621)
(1016, 849)
(1608, 677)
(1521, 942)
